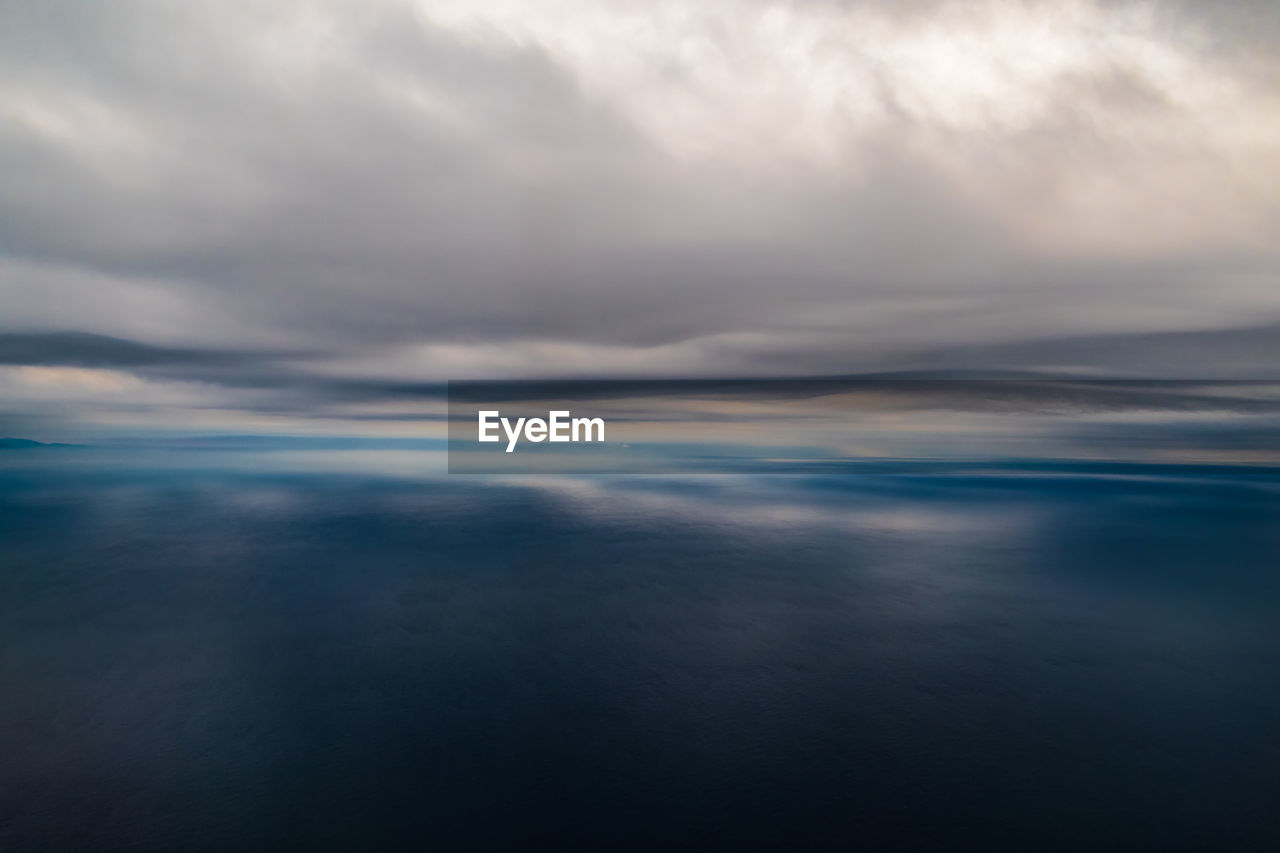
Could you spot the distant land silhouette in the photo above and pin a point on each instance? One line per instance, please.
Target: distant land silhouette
(26, 443)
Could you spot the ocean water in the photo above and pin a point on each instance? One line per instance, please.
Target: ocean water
(921, 656)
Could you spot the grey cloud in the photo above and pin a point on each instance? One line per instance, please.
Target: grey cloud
(1244, 352)
(82, 349)
(353, 178)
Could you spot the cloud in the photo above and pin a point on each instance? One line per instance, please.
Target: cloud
(349, 196)
(90, 350)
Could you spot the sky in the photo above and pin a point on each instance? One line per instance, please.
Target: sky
(241, 215)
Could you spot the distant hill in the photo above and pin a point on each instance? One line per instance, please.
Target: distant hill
(25, 443)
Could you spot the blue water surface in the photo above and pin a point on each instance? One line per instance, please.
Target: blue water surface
(248, 656)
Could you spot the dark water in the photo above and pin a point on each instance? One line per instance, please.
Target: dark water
(924, 658)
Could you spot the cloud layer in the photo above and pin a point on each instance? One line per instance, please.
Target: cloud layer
(259, 198)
